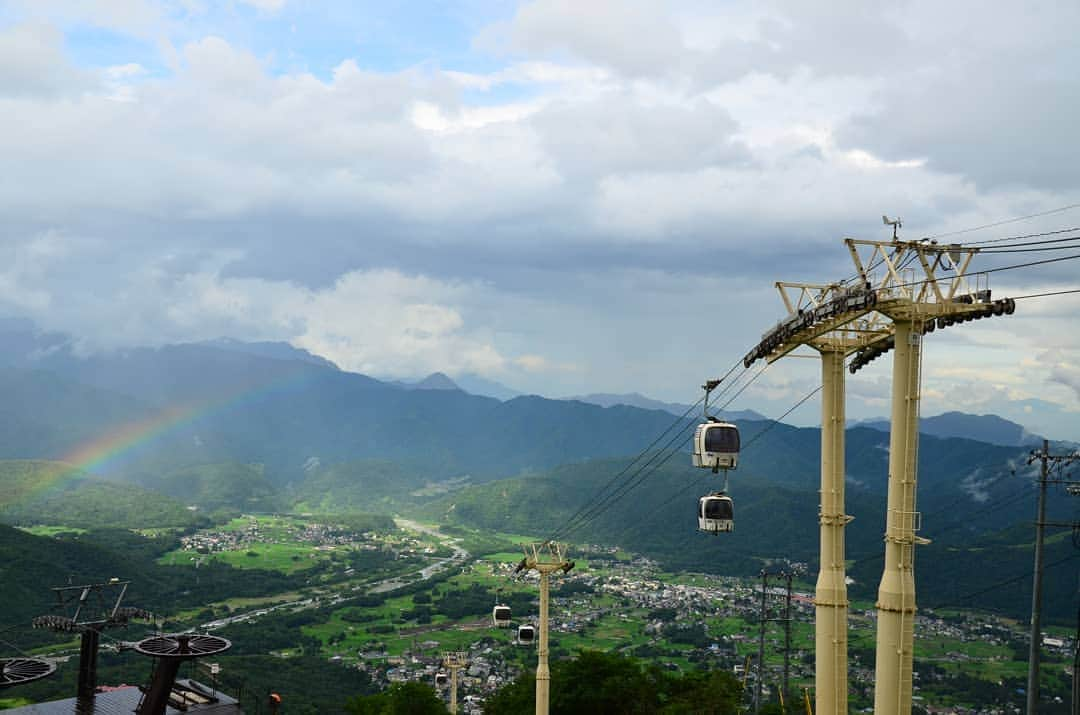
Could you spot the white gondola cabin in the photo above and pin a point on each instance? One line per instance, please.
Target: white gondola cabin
(500, 616)
(716, 445)
(441, 680)
(526, 634)
(716, 514)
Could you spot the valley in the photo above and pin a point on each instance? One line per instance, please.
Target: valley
(387, 603)
(343, 533)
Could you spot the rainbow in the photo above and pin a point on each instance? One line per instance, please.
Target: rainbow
(95, 455)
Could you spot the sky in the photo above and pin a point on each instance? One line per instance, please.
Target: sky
(566, 197)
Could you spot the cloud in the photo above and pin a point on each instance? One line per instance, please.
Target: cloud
(597, 32)
(605, 211)
(997, 111)
(619, 134)
(33, 64)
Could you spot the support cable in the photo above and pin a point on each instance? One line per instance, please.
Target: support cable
(1026, 235)
(1006, 221)
(958, 602)
(596, 503)
(672, 448)
(593, 500)
(596, 498)
(658, 509)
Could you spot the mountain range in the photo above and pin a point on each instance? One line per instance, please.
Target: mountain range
(227, 425)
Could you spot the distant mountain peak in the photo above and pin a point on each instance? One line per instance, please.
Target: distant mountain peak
(436, 381)
(982, 428)
(636, 399)
(269, 349)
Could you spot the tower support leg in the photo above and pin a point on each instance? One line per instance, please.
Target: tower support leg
(543, 675)
(896, 593)
(88, 656)
(830, 596)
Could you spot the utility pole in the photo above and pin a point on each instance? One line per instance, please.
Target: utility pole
(454, 661)
(1045, 459)
(763, 619)
(545, 558)
(761, 644)
(1036, 589)
(787, 638)
(1076, 668)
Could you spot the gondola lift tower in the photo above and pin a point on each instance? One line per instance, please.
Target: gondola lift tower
(922, 286)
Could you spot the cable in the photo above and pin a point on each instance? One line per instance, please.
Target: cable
(659, 508)
(632, 483)
(1006, 221)
(1027, 574)
(583, 512)
(1027, 265)
(641, 475)
(993, 270)
(1043, 295)
(776, 421)
(1071, 246)
(1026, 235)
(593, 505)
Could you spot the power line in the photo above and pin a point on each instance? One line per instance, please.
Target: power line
(1027, 574)
(1043, 295)
(1006, 221)
(641, 475)
(1022, 236)
(593, 505)
(1024, 247)
(589, 504)
(1028, 264)
(776, 421)
(590, 512)
(772, 423)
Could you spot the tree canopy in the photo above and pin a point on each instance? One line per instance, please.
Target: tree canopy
(597, 682)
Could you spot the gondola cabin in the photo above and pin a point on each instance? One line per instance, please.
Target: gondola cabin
(716, 445)
(441, 680)
(526, 634)
(716, 514)
(500, 616)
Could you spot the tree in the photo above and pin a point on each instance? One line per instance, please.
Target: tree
(598, 682)
(398, 699)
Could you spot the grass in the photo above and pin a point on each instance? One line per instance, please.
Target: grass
(51, 530)
(6, 703)
(286, 558)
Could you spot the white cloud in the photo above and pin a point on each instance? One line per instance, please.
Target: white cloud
(609, 209)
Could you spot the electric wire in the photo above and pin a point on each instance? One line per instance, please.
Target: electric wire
(1017, 238)
(908, 284)
(1043, 295)
(672, 448)
(589, 504)
(1039, 247)
(658, 509)
(1009, 500)
(1006, 221)
(957, 602)
(596, 502)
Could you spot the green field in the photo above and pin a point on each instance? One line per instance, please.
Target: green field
(51, 530)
